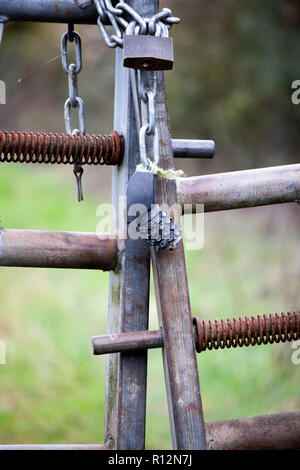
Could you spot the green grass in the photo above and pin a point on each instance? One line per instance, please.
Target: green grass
(52, 388)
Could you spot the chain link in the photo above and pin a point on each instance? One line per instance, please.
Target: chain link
(124, 19)
(162, 232)
(145, 116)
(73, 101)
(115, 17)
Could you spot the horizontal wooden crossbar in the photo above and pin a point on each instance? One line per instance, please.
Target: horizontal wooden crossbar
(72, 250)
(241, 189)
(266, 432)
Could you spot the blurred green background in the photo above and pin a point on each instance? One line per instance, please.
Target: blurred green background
(235, 62)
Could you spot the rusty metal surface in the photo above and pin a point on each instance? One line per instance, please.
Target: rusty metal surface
(266, 329)
(266, 432)
(173, 305)
(81, 149)
(52, 11)
(52, 447)
(240, 189)
(87, 149)
(147, 52)
(208, 335)
(72, 250)
(132, 341)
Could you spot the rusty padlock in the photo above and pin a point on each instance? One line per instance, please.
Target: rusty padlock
(147, 52)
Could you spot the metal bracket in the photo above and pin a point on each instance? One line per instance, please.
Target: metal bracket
(152, 223)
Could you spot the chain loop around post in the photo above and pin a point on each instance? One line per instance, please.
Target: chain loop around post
(159, 17)
(126, 20)
(120, 16)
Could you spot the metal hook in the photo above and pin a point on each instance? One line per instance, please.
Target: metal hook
(78, 172)
(70, 32)
(3, 20)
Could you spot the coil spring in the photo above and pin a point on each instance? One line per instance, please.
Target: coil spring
(266, 329)
(87, 149)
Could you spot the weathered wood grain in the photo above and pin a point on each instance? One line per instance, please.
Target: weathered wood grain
(129, 287)
(172, 297)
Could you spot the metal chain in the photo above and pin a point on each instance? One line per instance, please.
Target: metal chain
(148, 130)
(74, 101)
(115, 16)
(143, 96)
(162, 231)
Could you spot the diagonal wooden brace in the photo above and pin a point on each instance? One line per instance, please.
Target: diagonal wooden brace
(174, 312)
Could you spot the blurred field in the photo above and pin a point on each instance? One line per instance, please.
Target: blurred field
(52, 388)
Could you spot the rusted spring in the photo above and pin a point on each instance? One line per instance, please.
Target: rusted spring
(30, 147)
(266, 329)
(209, 335)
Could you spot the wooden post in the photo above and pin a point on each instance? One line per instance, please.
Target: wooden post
(129, 286)
(173, 304)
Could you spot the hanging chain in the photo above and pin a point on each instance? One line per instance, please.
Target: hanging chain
(148, 129)
(115, 16)
(161, 230)
(124, 19)
(74, 101)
